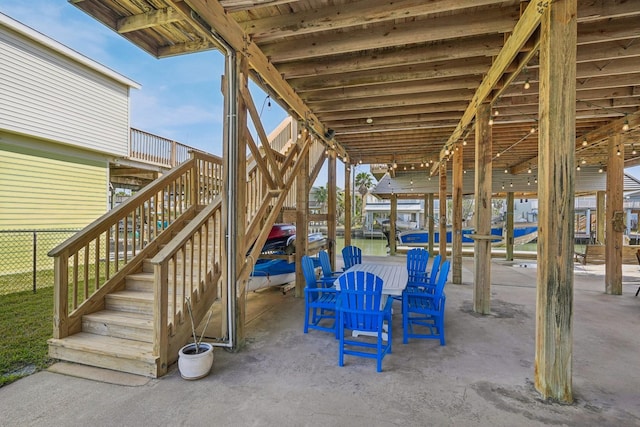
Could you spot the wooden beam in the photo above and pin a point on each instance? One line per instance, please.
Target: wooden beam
(498, 20)
(148, 19)
(614, 212)
(430, 70)
(431, 218)
(442, 195)
(302, 220)
(264, 139)
(600, 217)
(347, 204)
(456, 230)
(483, 183)
(393, 218)
(488, 45)
(509, 226)
(332, 190)
(528, 23)
(260, 162)
(339, 16)
(593, 137)
(223, 24)
(556, 198)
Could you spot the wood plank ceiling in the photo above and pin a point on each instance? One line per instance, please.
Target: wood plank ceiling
(393, 79)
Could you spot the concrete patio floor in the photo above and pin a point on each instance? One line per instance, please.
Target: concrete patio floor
(482, 377)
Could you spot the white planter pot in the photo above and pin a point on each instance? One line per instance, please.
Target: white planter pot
(193, 366)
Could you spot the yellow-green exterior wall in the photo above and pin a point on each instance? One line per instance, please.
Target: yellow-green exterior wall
(45, 190)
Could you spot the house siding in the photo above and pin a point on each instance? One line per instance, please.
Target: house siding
(40, 189)
(50, 96)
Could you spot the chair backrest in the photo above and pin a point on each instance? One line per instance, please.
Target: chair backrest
(442, 277)
(351, 255)
(417, 260)
(309, 272)
(360, 297)
(435, 267)
(325, 263)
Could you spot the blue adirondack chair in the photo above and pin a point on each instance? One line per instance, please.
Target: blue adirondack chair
(359, 310)
(417, 260)
(328, 276)
(351, 255)
(319, 302)
(425, 309)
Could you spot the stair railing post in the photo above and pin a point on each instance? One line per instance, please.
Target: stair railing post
(160, 315)
(61, 296)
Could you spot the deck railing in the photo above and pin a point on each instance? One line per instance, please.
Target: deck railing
(154, 149)
(187, 268)
(98, 257)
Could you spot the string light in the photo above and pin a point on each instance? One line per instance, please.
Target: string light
(464, 142)
(511, 184)
(527, 85)
(533, 129)
(578, 167)
(618, 152)
(583, 161)
(535, 179)
(633, 149)
(491, 121)
(601, 169)
(496, 112)
(625, 126)
(498, 154)
(584, 142)
(529, 170)
(506, 171)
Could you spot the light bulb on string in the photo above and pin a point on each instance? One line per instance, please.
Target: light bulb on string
(584, 142)
(625, 126)
(491, 121)
(527, 85)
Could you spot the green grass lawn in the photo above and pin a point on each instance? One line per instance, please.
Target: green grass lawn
(25, 326)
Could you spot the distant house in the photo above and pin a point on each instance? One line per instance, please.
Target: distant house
(63, 118)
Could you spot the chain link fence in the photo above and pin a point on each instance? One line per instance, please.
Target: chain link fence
(24, 263)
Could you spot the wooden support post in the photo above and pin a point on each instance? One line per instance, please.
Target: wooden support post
(614, 216)
(302, 220)
(442, 242)
(425, 213)
(432, 228)
(347, 204)
(482, 247)
(240, 208)
(392, 225)
(600, 217)
(456, 231)
(556, 198)
(331, 207)
(509, 227)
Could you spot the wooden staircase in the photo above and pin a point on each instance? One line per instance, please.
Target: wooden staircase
(120, 336)
(122, 283)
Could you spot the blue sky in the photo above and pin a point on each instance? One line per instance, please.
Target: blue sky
(180, 98)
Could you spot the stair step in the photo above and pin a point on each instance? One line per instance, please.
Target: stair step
(134, 326)
(140, 282)
(106, 352)
(130, 301)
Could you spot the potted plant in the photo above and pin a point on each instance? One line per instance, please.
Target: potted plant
(195, 359)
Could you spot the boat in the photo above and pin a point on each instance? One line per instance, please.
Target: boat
(271, 272)
(275, 267)
(522, 233)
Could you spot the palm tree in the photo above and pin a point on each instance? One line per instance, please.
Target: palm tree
(322, 195)
(363, 182)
